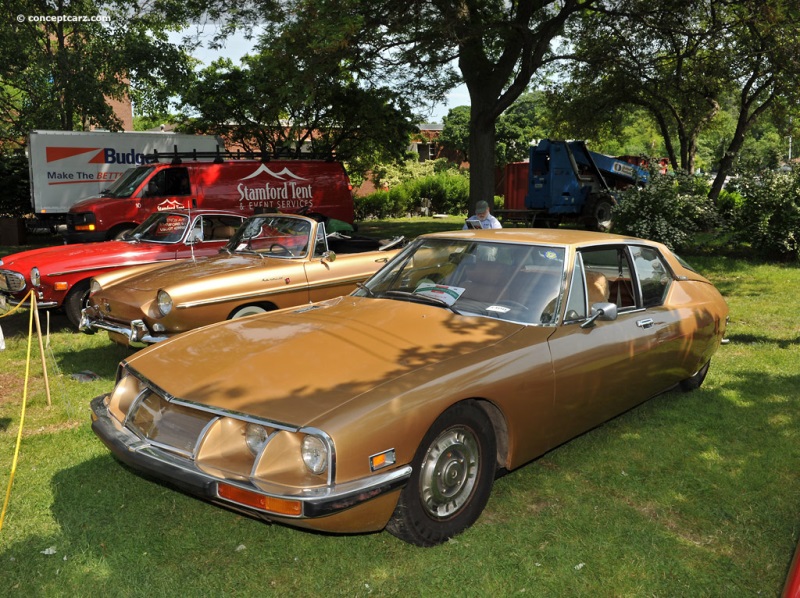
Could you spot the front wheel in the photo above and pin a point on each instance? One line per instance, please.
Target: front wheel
(597, 214)
(247, 310)
(453, 472)
(76, 300)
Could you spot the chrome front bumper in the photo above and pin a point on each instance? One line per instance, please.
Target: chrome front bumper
(185, 475)
(136, 332)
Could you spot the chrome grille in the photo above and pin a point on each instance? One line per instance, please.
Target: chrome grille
(11, 282)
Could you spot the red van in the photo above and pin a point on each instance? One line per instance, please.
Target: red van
(319, 186)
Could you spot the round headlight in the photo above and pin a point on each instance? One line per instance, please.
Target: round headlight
(256, 437)
(315, 454)
(94, 287)
(164, 302)
(36, 278)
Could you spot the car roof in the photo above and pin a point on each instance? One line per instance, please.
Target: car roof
(548, 236)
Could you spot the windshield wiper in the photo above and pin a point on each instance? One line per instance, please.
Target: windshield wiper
(422, 299)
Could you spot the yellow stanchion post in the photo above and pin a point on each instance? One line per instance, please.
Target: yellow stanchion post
(35, 310)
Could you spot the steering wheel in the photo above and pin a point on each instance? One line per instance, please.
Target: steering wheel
(281, 247)
(515, 304)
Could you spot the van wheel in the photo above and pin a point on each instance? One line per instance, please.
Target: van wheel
(247, 310)
(76, 300)
(120, 234)
(453, 473)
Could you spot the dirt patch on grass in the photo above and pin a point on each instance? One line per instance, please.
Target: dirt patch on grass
(53, 428)
(10, 388)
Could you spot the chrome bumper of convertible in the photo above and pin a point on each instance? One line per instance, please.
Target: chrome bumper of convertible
(136, 332)
(185, 475)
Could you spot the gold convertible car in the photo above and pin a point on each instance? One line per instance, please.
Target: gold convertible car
(272, 261)
(395, 407)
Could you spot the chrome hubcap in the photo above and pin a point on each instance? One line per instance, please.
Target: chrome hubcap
(449, 472)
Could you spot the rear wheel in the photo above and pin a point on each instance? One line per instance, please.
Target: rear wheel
(695, 381)
(76, 300)
(453, 472)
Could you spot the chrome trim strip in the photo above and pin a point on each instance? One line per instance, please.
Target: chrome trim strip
(136, 332)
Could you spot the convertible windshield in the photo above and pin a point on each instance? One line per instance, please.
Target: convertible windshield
(273, 236)
(130, 180)
(514, 282)
(161, 227)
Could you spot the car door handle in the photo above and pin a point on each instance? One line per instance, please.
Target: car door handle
(646, 323)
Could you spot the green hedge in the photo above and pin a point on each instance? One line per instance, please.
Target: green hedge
(441, 193)
(15, 195)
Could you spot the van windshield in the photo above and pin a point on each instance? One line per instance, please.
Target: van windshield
(130, 180)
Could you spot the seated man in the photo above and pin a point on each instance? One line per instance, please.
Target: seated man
(482, 218)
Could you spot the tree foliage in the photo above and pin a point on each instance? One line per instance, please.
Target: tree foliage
(298, 93)
(61, 62)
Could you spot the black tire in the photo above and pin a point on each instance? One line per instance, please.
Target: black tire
(120, 233)
(597, 214)
(453, 473)
(76, 300)
(694, 382)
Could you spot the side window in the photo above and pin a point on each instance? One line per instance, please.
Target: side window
(176, 181)
(654, 277)
(321, 242)
(609, 276)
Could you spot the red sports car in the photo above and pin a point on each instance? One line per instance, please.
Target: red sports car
(60, 275)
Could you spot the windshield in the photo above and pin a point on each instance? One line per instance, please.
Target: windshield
(130, 180)
(515, 282)
(271, 235)
(161, 227)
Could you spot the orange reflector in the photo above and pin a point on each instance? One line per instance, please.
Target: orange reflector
(61, 286)
(84, 227)
(259, 501)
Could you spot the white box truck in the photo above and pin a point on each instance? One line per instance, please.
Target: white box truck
(67, 166)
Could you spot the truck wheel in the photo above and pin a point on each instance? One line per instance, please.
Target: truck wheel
(76, 300)
(597, 215)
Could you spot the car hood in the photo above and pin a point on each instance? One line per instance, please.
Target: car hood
(83, 256)
(187, 274)
(294, 366)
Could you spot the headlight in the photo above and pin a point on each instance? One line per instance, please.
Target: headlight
(315, 454)
(94, 287)
(164, 302)
(256, 437)
(36, 278)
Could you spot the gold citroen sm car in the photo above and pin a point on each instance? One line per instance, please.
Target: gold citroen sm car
(395, 407)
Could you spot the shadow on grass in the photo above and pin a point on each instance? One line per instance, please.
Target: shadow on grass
(750, 339)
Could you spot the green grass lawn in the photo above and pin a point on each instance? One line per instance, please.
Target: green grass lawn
(687, 495)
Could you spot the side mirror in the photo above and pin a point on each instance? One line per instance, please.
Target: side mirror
(601, 311)
(329, 256)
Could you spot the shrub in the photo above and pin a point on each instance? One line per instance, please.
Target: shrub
(446, 191)
(769, 217)
(670, 209)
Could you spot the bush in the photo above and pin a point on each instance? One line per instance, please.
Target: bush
(670, 209)
(15, 195)
(445, 192)
(769, 216)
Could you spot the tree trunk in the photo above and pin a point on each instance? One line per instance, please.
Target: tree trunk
(482, 156)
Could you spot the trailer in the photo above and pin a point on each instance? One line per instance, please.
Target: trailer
(68, 166)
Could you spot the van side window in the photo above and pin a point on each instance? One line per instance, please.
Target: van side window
(176, 181)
